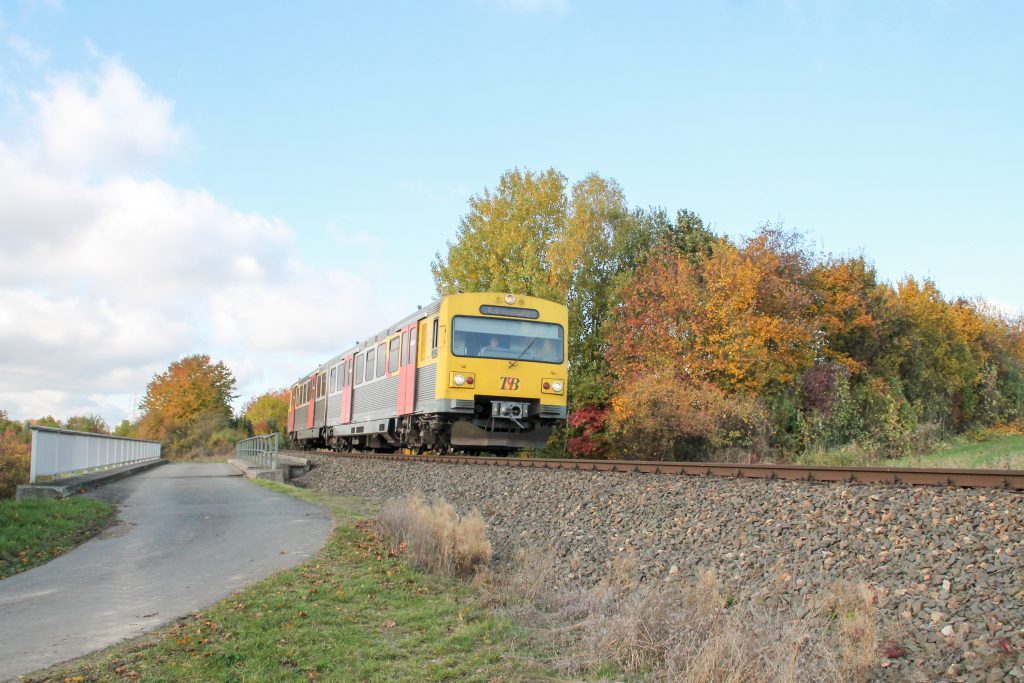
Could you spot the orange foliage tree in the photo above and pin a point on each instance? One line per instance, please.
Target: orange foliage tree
(741, 320)
(716, 334)
(193, 392)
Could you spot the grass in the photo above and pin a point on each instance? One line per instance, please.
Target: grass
(354, 613)
(993, 451)
(33, 532)
(988, 449)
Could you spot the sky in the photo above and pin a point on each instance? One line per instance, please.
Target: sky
(268, 182)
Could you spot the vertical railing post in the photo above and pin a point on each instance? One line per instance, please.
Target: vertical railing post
(32, 459)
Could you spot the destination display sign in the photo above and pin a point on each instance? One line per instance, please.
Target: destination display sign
(510, 312)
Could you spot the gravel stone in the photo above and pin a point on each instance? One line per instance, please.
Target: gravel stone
(937, 557)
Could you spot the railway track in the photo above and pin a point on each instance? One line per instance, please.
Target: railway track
(1004, 479)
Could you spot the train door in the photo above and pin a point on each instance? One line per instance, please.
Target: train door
(346, 390)
(407, 371)
(311, 393)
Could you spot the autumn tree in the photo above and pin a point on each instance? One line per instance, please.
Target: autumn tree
(716, 332)
(14, 455)
(268, 413)
(741, 320)
(193, 395)
(851, 310)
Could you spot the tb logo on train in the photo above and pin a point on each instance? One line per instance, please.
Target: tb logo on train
(479, 371)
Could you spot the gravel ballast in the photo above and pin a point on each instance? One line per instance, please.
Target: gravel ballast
(946, 563)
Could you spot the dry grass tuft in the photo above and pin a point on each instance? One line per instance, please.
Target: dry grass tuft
(435, 536)
(667, 631)
(681, 630)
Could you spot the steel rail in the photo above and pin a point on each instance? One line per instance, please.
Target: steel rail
(1005, 479)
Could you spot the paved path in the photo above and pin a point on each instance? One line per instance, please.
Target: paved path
(188, 536)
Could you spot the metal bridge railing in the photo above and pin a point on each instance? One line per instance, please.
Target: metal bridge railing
(260, 450)
(62, 452)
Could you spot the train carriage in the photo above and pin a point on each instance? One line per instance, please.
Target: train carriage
(479, 371)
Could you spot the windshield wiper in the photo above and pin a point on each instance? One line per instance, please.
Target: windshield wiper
(512, 363)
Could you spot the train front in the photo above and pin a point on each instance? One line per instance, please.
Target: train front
(502, 370)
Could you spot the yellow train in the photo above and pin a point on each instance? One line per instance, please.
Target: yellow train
(479, 371)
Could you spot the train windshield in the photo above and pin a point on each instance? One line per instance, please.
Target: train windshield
(508, 339)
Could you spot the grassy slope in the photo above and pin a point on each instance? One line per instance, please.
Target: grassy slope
(353, 613)
(998, 452)
(33, 532)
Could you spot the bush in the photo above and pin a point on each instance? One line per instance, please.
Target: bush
(15, 456)
(666, 417)
(434, 536)
(14, 467)
(589, 425)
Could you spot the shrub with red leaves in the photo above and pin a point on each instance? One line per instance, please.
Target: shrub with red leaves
(589, 421)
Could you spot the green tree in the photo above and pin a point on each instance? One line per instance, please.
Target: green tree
(126, 428)
(502, 242)
(88, 423)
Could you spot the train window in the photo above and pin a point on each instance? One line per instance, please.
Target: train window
(516, 340)
(346, 367)
(370, 356)
(381, 358)
(360, 362)
(394, 353)
(334, 379)
(433, 342)
(406, 351)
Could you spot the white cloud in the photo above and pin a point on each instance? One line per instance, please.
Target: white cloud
(106, 277)
(24, 48)
(104, 122)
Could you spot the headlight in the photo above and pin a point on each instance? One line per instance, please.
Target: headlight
(556, 387)
(461, 380)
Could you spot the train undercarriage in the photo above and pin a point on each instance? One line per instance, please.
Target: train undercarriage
(495, 425)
